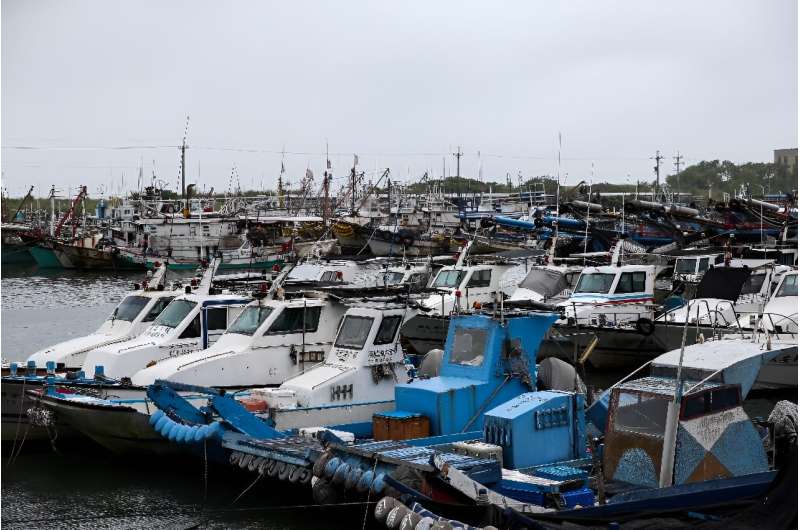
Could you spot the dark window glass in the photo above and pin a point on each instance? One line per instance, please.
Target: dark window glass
(249, 321)
(157, 308)
(594, 283)
(328, 276)
(129, 308)
(788, 287)
(192, 331)
(388, 329)
(468, 347)
(291, 320)
(686, 266)
(694, 406)
(174, 313)
(703, 265)
(354, 332)
(630, 282)
(641, 414)
(753, 284)
(480, 279)
(724, 398)
(217, 318)
(448, 278)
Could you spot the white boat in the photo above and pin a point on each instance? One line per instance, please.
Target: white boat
(461, 288)
(360, 378)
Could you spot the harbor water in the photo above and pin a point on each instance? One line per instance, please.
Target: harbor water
(86, 487)
(56, 486)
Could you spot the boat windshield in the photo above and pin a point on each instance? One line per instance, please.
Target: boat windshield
(641, 414)
(753, 284)
(468, 347)
(393, 278)
(250, 320)
(354, 331)
(129, 308)
(174, 313)
(594, 283)
(451, 278)
(685, 266)
(788, 287)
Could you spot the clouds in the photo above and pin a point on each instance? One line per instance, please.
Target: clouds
(619, 79)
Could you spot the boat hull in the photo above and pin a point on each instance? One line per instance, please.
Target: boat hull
(45, 257)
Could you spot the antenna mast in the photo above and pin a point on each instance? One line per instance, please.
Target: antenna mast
(657, 169)
(678, 159)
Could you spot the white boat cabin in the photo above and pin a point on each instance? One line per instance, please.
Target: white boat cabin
(356, 380)
(270, 341)
(462, 287)
(611, 295)
(134, 314)
(190, 322)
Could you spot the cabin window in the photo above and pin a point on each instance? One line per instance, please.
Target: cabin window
(129, 308)
(291, 320)
(388, 329)
(480, 279)
(354, 332)
(329, 276)
(217, 318)
(451, 278)
(753, 284)
(686, 266)
(594, 283)
(703, 265)
(468, 347)
(640, 414)
(710, 401)
(174, 313)
(250, 320)
(788, 287)
(157, 308)
(393, 278)
(192, 331)
(631, 282)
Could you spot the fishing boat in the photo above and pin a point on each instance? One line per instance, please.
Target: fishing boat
(267, 343)
(675, 441)
(459, 288)
(134, 314)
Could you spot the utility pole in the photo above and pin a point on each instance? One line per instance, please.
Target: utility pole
(658, 158)
(458, 154)
(326, 185)
(183, 165)
(678, 159)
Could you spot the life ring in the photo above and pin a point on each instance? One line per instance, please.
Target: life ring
(645, 326)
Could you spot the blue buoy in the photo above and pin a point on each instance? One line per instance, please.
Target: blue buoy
(366, 481)
(154, 417)
(332, 465)
(341, 473)
(378, 484)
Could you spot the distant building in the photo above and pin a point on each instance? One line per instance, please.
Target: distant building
(786, 158)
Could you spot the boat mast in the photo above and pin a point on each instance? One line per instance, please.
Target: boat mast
(183, 169)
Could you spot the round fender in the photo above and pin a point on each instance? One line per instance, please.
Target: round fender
(263, 465)
(182, 433)
(383, 507)
(410, 521)
(297, 472)
(340, 474)
(378, 484)
(324, 493)
(365, 482)
(201, 433)
(319, 465)
(283, 470)
(425, 523)
(645, 326)
(441, 525)
(172, 431)
(254, 463)
(352, 478)
(245, 461)
(234, 458)
(304, 476)
(331, 467)
(395, 517)
(159, 424)
(272, 469)
(157, 415)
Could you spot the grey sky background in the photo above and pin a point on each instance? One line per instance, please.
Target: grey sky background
(401, 84)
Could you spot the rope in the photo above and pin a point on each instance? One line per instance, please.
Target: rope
(369, 492)
(19, 416)
(259, 477)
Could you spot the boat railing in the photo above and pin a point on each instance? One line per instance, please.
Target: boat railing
(759, 324)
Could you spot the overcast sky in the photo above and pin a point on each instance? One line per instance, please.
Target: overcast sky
(402, 84)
